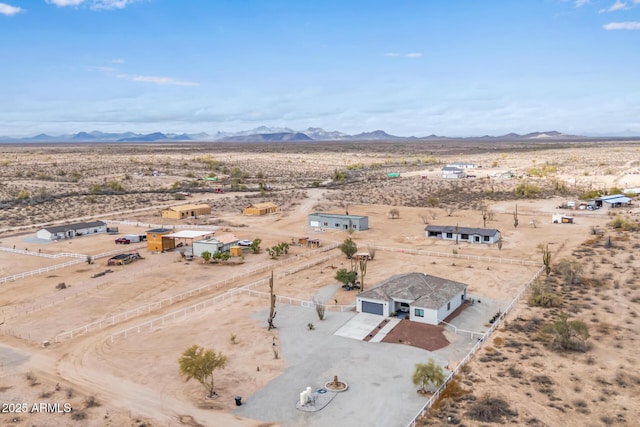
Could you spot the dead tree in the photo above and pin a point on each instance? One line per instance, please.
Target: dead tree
(272, 303)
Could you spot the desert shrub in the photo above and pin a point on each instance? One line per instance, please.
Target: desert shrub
(490, 409)
(624, 224)
(527, 190)
(567, 334)
(78, 415)
(91, 402)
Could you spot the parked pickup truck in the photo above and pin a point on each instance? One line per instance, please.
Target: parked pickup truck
(122, 241)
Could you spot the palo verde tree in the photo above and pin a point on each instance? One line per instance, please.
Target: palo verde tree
(255, 245)
(200, 363)
(206, 256)
(567, 334)
(345, 276)
(348, 247)
(428, 373)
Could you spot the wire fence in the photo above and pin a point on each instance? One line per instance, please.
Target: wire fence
(436, 395)
(458, 256)
(171, 226)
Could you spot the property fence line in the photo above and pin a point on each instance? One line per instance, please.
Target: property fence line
(436, 395)
(15, 277)
(170, 226)
(155, 305)
(299, 302)
(80, 259)
(458, 256)
(43, 255)
(246, 289)
(456, 330)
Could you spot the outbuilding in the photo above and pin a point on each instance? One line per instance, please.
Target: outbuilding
(452, 172)
(186, 211)
(338, 221)
(69, 231)
(463, 234)
(613, 201)
(157, 240)
(261, 208)
(427, 299)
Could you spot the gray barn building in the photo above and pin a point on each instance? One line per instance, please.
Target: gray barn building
(338, 221)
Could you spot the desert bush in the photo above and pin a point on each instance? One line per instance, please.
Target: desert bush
(91, 402)
(320, 308)
(624, 224)
(527, 190)
(490, 409)
(567, 334)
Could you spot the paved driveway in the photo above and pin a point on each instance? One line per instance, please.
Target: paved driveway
(379, 375)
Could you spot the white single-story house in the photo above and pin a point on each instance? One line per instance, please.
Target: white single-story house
(427, 299)
(69, 231)
(463, 234)
(452, 172)
(462, 165)
(338, 221)
(211, 245)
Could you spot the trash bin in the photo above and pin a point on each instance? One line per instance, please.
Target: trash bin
(238, 400)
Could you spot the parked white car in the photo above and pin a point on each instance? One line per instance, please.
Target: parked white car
(245, 242)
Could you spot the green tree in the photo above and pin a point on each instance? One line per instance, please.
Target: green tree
(206, 256)
(348, 247)
(427, 373)
(567, 334)
(255, 245)
(345, 276)
(200, 363)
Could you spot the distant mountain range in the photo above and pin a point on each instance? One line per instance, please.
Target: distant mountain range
(269, 134)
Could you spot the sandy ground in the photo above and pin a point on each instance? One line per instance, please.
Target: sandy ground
(130, 393)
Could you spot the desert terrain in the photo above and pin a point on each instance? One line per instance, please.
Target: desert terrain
(107, 345)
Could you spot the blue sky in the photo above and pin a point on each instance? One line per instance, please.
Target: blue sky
(410, 67)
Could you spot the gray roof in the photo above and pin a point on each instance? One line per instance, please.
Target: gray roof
(343, 216)
(617, 199)
(611, 196)
(462, 230)
(452, 169)
(75, 226)
(423, 290)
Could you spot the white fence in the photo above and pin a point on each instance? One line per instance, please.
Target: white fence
(170, 226)
(43, 255)
(246, 289)
(434, 398)
(78, 260)
(147, 308)
(497, 260)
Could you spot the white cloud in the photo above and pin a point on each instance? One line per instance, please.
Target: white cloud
(628, 25)
(580, 3)
(118, 61)
(158, 80)
(64, 3)
(94, 4)
(405, 55)
(8, 10)
(618, 5)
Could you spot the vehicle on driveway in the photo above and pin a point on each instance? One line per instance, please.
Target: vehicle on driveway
(122, 241)
(245, 242)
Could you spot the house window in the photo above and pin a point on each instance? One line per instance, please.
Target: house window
(419, 312)
(464, 236)
(354, 226)
(449, 306)
(485, 238)
(337, 225)
(449, 235)
(153, 236)
(326, 224)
